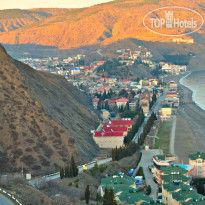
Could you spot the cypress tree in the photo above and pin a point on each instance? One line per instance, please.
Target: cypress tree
(87, 194)
(61, 173)
(67, 171)
(73, 167)
(111, 197)
(106, 196)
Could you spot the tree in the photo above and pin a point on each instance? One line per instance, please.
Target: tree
(111, 197)
(87, 194)
(61, 173)
(148, 190)
(105, 197)
(73, 167)
(67, 171)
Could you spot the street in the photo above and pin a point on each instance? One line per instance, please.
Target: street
(37, 181)
(154, 109)
(5, 201)
(146, 160)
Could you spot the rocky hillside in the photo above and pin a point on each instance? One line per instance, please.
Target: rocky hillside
(101, 24)
(15, 18)
(43, 119)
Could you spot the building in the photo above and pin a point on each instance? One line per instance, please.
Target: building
(115, 129)
(75, 71)
(171, 95)
(121, 102)
(179, 193)
(120, 123)
(165, 112)
(185, 195)
(95, 103)
(198, 160)
(105, 114)
(112, 133)
(168, 189)
(125, 190)
(108, 139)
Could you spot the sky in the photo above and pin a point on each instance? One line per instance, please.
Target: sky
(26, 4)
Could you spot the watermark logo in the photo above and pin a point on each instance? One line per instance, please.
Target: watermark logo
(173, 21)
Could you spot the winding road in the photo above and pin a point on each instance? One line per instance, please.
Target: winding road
(5, 201)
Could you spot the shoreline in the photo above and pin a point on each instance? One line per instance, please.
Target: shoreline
(193, 91)
(189, 135)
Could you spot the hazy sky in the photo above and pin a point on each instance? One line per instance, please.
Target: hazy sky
(25, 4)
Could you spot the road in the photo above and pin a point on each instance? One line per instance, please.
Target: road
(37, 181)
(5, 201)
(99, 53)
(145, 161)
(154, 109)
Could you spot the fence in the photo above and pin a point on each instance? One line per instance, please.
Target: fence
(10, 196)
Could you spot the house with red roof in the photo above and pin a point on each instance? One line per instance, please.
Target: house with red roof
(122, 102)
(112, 133)
(95, 102)
(120, 123)
(108, 139)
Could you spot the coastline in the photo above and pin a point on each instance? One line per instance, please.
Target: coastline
(189, 135)
(193, 91)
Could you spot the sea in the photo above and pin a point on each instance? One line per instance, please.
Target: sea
(195, 81)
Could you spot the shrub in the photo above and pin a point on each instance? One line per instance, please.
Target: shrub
(148, 190)
(70, 184)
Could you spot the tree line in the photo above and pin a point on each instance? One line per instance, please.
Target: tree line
(147, 128)
(70, 170)
(121, 152)
(136, 126)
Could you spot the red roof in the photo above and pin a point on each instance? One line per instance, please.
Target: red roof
(122, 100)
(119, 122)
(111, 101)
(171, 93)
(96, 99)
(124, 80)
(114, 129)
(108, 134)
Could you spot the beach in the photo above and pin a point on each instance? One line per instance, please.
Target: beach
(190, 125)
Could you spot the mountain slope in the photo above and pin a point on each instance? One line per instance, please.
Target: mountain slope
(15, 18)
(101, 24)
(43, 119)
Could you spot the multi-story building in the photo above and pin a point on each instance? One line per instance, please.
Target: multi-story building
(198, 160)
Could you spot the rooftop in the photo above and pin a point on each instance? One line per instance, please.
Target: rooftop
(198, 155)
(173, 169)
(175, 178)
(108, 134)
(125, 189)
(170, 187)
(185, 194)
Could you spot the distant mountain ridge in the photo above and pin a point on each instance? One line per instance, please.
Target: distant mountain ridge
(44, 119)
(101, 24)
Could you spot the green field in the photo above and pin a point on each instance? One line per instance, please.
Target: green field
(164, 137)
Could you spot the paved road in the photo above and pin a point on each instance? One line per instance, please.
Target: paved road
(172, 136)
(37, 181)
(5, 201)
(154, 109)
(99, 53)
(146, 160)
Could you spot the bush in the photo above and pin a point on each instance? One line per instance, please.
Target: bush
(148, 190)
(70, 184)
(103, 168)
(76, 185)
(77, 180)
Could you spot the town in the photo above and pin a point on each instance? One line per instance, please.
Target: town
(134, 110)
